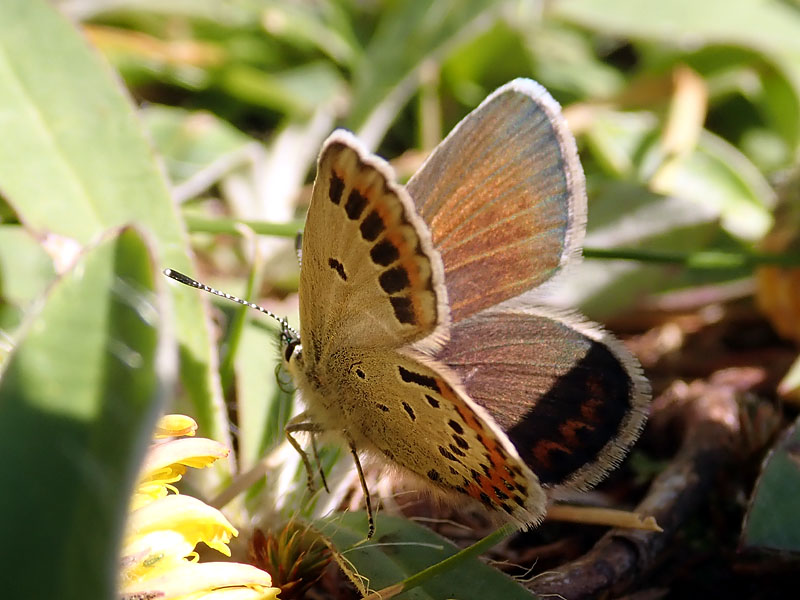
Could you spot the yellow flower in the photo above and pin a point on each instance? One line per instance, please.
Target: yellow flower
(158, 554)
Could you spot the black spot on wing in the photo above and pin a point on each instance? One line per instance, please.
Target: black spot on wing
(410, 411)
(433, 475)
(432, 401)
(372, 226)
(384, 253)
(383, 407)
(355, 205)
(336, 188)
(460, 441)
(419, 379)
(447, 454)
(455, 426)
(394, 280)
(338, 267)
(499, 493)
(403, 310)
(455, 450)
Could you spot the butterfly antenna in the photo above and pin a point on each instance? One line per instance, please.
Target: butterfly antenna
(286, 331)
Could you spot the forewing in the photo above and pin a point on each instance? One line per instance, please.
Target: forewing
(420, 419)
(504, 196)
(569, 396)
(370, 276)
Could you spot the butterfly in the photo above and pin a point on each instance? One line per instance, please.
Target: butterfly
(422, 338)
(421, 341)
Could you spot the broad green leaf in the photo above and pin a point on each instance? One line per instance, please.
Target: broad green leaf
(400, 549)
(25, 271)
(78, 398)
(74, 161)
(772, 520)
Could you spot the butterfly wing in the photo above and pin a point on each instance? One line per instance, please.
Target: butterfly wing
(504, 196)
(568, 395)
(370, 275)
(413, 412)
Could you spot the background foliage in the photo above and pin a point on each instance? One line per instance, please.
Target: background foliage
(687, 115)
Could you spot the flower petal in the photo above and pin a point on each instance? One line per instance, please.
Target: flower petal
(174, 426)
(190, 517)
(190, 580)
(192, 452)
(166, 463)
(153, 554)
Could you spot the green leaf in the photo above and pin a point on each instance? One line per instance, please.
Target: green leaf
(78, 398)
(408, 34)
(323, 25)
(603, 288)
(75, 161)
(192, 141)
(264, 408)
(768, 27)
(772, 520)
(715, 174)
(401, 548)
(25, 271)
(297, 91)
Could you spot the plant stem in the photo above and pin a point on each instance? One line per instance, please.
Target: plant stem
(197, 224)
(700, 259)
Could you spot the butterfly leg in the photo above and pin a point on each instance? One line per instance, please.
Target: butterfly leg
(299, 424)
(364, 488)
(319, 463)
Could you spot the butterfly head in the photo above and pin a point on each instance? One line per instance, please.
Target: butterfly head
(291, 349)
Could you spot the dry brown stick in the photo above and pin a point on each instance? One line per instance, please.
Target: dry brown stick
(621, 557)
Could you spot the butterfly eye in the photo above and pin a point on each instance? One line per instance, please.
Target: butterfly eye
(291, 347)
